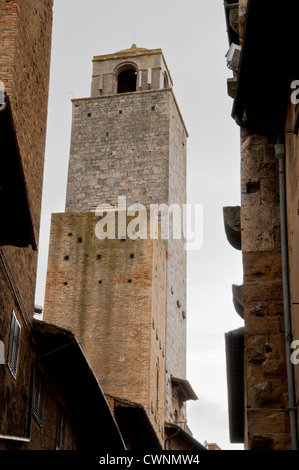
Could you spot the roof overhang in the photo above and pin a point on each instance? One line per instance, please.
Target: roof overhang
(232, 226)
(63, 358)
(267, 65)
(229, 5)
(183, 389)
(234, 342)
(237, 292)
(17, 227)
(135, 424)
(173, 431)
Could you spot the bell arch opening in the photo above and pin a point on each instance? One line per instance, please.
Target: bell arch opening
(127, 79)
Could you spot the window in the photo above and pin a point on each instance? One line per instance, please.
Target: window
(126, 81)
(60, 430)
(14, 344)
(2, 353)
(38, 396)
(166, 83)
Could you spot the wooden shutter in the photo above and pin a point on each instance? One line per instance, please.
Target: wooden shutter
(14, 344)
(38, 396)
(60, 430)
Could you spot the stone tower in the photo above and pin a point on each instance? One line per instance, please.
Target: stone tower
(125, 300)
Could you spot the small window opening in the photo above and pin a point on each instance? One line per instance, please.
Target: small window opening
(14, 345)
(100, 282)
(253, 187)
(99, 256)
(129, 281)
(38, 396)
(80, 240)
(60, 430)
(66, 258)
(126, 81)
(132, 255)
(166, 84)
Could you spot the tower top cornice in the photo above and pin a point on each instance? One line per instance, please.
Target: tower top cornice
(133, 51)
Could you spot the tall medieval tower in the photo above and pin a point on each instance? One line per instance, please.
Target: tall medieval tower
(125, 299)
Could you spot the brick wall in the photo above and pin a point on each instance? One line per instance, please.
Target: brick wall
(25, 45)
(25, 48)
(112, 295)
(14, 392)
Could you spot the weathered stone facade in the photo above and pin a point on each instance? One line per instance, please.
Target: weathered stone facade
(265, 367)
(126, 144)
(112, 294)
(134, 145)
(266, 397)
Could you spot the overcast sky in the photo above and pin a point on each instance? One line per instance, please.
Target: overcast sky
(192, 35)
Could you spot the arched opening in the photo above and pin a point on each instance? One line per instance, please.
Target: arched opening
(166, 83)
(126, 80)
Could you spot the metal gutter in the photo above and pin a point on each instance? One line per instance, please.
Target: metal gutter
(280, 154)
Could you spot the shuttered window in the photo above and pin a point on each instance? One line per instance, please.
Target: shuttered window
(60, 430)
(14, 345)
(38, 396)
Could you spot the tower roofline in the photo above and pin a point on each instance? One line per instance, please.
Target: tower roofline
(134, 51)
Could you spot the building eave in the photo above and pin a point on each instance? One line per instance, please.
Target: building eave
(265, 70)
(62, 356)
(173, 430)
(183, 388)
(132, 417)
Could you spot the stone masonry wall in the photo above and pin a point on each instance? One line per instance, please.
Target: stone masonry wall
(134, 145)
(119, 147)
(266, 397)
(176, 272)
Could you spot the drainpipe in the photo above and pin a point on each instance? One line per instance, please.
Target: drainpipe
(280, 154)
(168, 439)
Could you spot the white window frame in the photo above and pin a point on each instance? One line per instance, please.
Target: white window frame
(14, 345)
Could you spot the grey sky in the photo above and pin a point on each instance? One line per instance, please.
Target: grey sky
(192, 35)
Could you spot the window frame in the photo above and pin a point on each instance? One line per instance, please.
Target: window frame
(38, 396)
(14, 345)
(60, 429)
